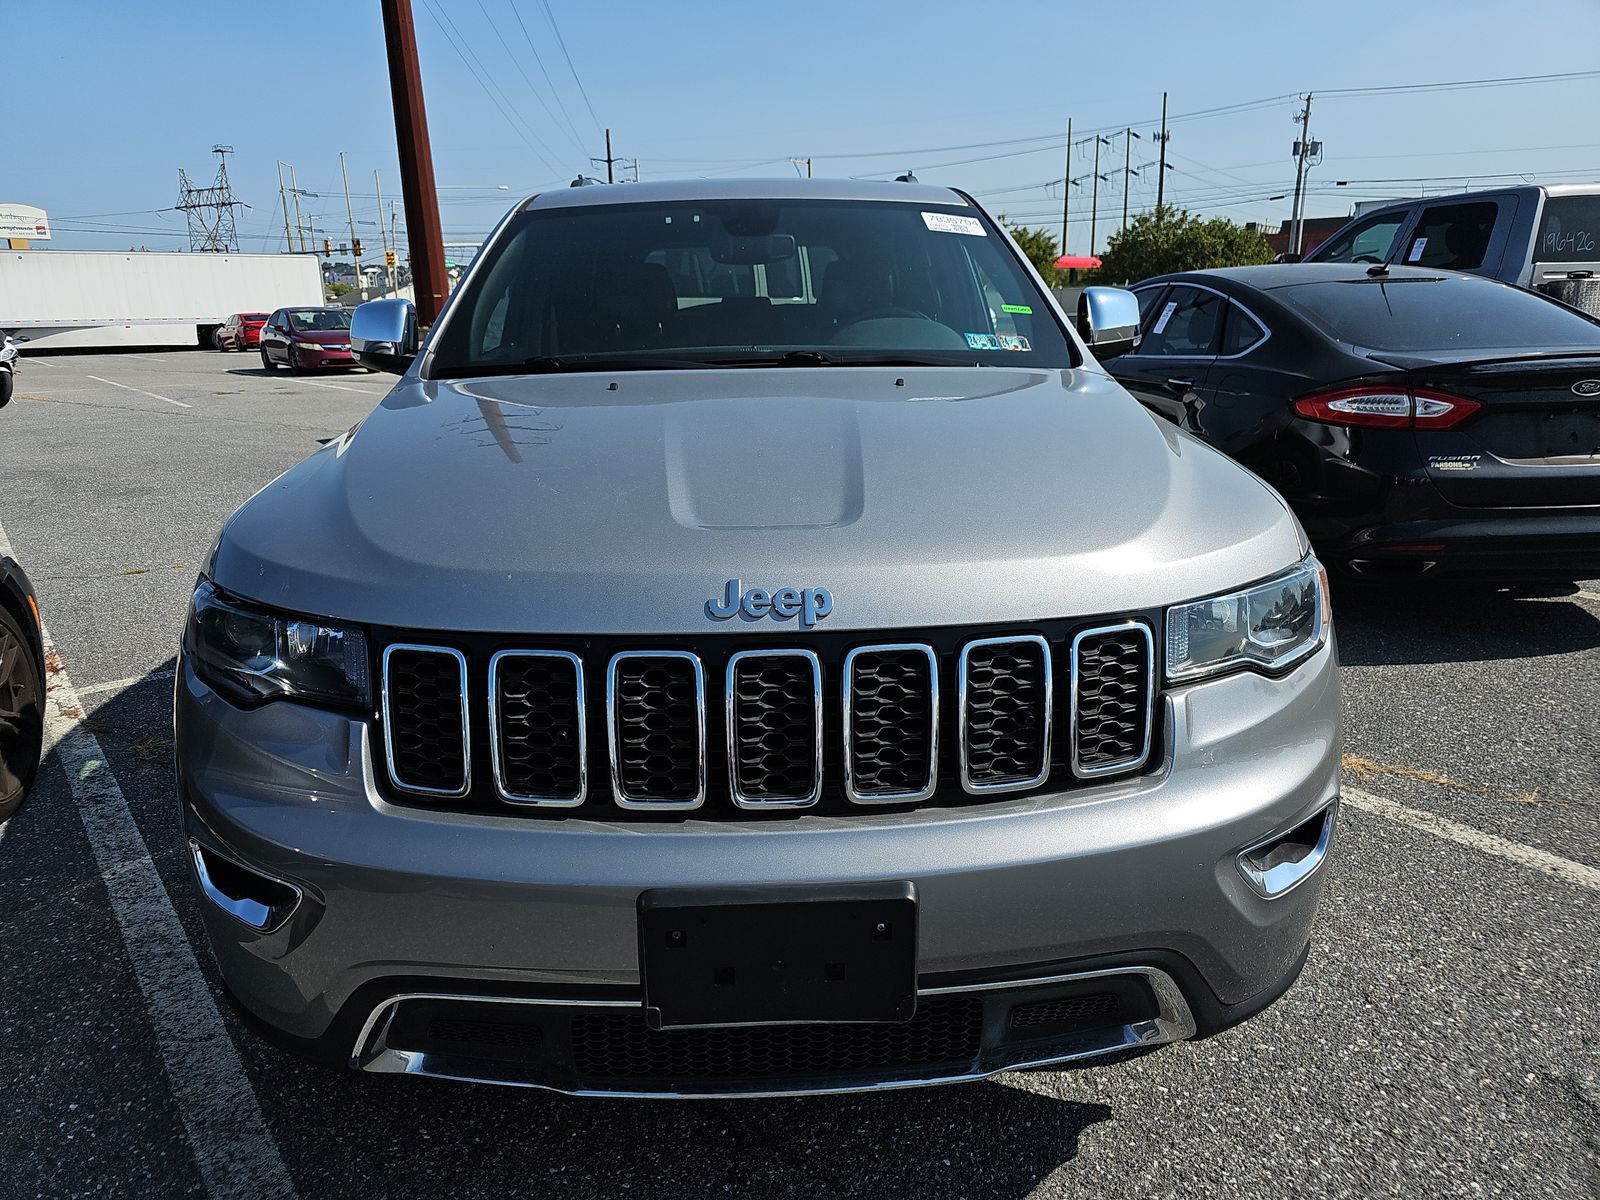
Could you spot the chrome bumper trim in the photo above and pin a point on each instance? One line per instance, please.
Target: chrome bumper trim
(1173, 1023)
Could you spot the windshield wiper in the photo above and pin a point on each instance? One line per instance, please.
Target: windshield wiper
(547, 364)
(832, 358)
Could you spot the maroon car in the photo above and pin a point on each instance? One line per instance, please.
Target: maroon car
(306, 339)
(242, 331)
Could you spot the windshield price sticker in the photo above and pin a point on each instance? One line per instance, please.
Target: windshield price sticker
(949, 223)
(1016, 308)
(1167, 310)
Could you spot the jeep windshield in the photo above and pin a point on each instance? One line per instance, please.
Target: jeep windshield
(748, 283)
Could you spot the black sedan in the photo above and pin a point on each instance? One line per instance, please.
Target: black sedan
(22, 686)
(1420, 423)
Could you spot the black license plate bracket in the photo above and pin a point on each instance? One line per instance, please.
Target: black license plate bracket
(764, 956)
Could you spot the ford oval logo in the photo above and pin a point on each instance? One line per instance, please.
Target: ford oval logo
(809, 604)
(1587, 387)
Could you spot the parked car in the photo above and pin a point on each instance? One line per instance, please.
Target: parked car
(1419, 422)
(242, 331)
(1547, 238)
(755, 649)
(21, 686)
(8, 365)
(306, 339)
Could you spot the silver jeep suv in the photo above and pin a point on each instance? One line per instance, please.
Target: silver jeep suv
(755, 649)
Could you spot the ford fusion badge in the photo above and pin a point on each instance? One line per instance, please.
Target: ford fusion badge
(809, 604)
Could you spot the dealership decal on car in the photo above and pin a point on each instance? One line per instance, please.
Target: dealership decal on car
(1455, 462)
(809, 604)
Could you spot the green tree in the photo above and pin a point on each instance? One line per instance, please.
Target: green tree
(1039, 246)
(1169, 239)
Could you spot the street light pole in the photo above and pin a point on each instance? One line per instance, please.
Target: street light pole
(424, 230)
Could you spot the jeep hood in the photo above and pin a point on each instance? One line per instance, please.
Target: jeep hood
(622, 503)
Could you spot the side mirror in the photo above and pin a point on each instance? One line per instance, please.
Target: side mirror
(383, 335)
(1288, 256)
(1108, 320)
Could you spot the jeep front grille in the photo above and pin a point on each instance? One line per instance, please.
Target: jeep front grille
(891, 732)
(1112, 681)
(775, 728)
(600, 724)
(656, 729)
(425, 722)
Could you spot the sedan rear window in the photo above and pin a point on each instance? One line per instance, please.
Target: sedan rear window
(748, 283)
(1411, 313)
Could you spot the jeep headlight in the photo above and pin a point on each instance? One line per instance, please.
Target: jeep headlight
(1267, 627)
(250, 655)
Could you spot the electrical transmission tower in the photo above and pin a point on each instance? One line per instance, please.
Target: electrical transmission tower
(210, 209)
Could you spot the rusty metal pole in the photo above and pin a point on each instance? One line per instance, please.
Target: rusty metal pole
(424, 231)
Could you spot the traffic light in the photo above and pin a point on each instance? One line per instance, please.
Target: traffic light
(389, 259)
(356, 247)
(327, 247)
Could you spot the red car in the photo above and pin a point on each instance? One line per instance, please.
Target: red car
(306, 339)
(242, 331)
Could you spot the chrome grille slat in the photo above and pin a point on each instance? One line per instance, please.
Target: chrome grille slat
(1005, 713)
(404, 672)
(764, 745)
(654, 753)
(556, 748)
(1113, 698)
(865, 729)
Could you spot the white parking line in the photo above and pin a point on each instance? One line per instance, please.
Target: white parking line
(141, 391)
(117, 685)
(1587, 595)
(342, 387)
(1553, 865)
(236, 1155)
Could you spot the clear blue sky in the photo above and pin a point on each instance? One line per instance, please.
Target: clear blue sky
(103, 101)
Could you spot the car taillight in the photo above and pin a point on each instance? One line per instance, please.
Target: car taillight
(1386, 408)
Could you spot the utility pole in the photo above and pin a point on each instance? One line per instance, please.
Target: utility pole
(1127, 169)
(299, 224)
(609, 161)
(796, 164)
(383, 234)
(1304, 150)
(288, 241)
(1094, 203)
(423, 228)
(1066, 189)
(350, 214)
(1161, 178)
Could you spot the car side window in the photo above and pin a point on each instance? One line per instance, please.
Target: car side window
(1240, 331)
(1187, 322)
(1369, 241)
(1147, 305)
(1452, 237)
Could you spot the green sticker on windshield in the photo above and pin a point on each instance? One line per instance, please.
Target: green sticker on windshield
(1016, 308)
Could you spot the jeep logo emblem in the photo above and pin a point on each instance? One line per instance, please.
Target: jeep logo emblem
(809, 604)
(1587, 387)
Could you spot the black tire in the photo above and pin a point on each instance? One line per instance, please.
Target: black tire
(266, 363)
(7, 383)
(21, 714)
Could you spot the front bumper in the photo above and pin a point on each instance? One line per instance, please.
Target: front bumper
(312, 358)
(1019, 901)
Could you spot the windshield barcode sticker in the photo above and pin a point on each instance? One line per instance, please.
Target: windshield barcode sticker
(949, 223)
(1166, 315)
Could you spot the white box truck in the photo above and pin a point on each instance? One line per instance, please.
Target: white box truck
(62, 298)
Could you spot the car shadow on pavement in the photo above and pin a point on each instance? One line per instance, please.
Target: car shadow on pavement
(1406, 625)
(986, 1139)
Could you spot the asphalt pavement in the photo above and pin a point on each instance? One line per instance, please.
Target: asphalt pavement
(1442, 1041)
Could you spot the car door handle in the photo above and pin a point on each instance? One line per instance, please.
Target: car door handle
(1182, 383)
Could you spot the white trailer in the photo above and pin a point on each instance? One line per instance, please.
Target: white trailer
(145, 298)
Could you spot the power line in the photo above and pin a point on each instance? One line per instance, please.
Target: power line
(539, 62)
(562, 42)
(480, 74)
